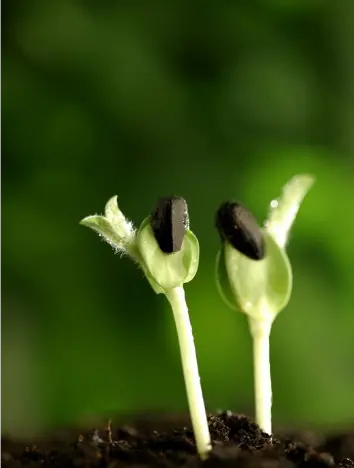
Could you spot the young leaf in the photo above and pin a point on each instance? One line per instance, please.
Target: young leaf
(156, 287)
(104, 228)
(114, 228)
(191, 255)
(112, 210)
(121, 225)
(261, 288)
(168, 270)
(283, 211)
(222, 280)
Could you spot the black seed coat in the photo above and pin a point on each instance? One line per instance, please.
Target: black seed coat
(169, 222)
(239, 227)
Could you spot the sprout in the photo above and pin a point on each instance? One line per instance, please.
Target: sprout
(168, 253)
(254, 275)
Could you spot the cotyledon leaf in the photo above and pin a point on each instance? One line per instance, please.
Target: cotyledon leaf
(167, 270)
(260, 289)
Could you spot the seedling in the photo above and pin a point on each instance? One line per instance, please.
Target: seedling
(168, 253)
(254, 275)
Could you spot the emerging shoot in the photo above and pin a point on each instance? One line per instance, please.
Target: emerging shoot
(168, 253)
(254, 275)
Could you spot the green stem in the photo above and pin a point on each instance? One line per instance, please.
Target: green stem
(260, 331)
(176, 297)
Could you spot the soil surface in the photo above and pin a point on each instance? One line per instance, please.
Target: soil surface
(237, 442)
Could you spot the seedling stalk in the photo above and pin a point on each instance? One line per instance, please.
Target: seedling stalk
(176, 298)
(260, 331)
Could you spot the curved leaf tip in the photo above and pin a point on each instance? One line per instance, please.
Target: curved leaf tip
(283, 211)
(111, 208)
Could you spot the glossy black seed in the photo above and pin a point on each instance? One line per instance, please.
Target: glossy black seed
(239, 227)
(169, 222)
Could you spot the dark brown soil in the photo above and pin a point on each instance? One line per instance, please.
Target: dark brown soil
(237, 442)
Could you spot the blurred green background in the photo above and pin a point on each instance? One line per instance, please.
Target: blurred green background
(210, 101)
